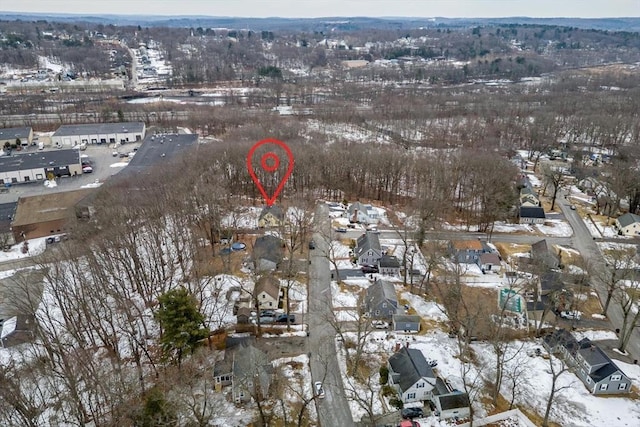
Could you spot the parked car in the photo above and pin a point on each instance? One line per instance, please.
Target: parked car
(319, 389)
(267, 319)
(341, 230)
(87, 169)
(412, 412)
(379, 324)
(369, 269)
(269, 313)
(283, 318)
(572, 207)
(571, 315)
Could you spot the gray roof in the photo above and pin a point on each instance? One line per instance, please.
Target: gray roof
(274, 210)
(454, 400)
(159, 149)
(249, 362)
(540, 252)
(380, 291)
(561, 337)
(389, 261)
(411, 365)
(7, 212)
(406, 318)
(490, 258)
(368, 241)
(99, 128)
(37, 160)
(531, 212)
(358, 206)
(13, 133)
(268, 247)
(628, 219)
(594, 357)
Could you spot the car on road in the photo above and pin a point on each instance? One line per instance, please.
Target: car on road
(572, 207)
(312, 245)
(317, 386)
(412, 412)
(571, 315)
(369, 269)
(283, 318)
(87, 169)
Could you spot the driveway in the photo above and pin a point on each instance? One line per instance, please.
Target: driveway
(333, 410)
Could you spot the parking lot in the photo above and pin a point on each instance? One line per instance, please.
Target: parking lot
(100, 157)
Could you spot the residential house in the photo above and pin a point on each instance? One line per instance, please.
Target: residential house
(410, 375)
(542, 256)
(628, 224)
(529, 198)
(405, 323)
(389, 265)
(467, 251)
(380, 300)
(596, 370)
(361, 213)
(531, 215)
(252, 373)
(271, 216)
(268, 252)
(368, 250)
(454, 404)
(267, 292)
(489, 262)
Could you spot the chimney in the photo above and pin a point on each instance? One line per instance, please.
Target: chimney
(355, 216)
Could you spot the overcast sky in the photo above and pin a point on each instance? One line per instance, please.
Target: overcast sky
(321, 8)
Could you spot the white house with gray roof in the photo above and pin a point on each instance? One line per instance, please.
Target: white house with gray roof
(98, 133)
(368, 249)
(411, 376)
(628, 224)
(363, 214)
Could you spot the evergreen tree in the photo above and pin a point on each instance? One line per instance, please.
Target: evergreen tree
(181, 322)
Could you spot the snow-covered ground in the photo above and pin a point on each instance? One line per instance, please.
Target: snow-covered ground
(36, 247)
(551, 227)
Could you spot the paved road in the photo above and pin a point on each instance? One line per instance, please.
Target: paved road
(333, 410)
(583, 242)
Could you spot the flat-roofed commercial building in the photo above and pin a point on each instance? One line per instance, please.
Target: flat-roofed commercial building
(38, 166)
(47, 214)
(98, 133)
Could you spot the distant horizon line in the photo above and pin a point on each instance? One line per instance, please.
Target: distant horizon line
(173, 16)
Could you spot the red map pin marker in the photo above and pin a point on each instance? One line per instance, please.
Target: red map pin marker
(270, 162)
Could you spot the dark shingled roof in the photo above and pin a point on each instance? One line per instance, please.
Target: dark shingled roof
(366, 242)
(411, 365)
(454, 401)
(389, 261)
(381, 290)
(39, 160)
(274, 210)
(99, 128)
(531, 212)
(268, 247)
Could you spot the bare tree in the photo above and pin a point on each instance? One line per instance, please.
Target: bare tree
(557, 367)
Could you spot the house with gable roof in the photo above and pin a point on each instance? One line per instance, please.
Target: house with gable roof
(268, 253)
(467, 251)
(410, 375)
(271, 216)
(628, 224)
(361, 213)
(380, 300)
(267, 292)
(368, 249)
(596, 370)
